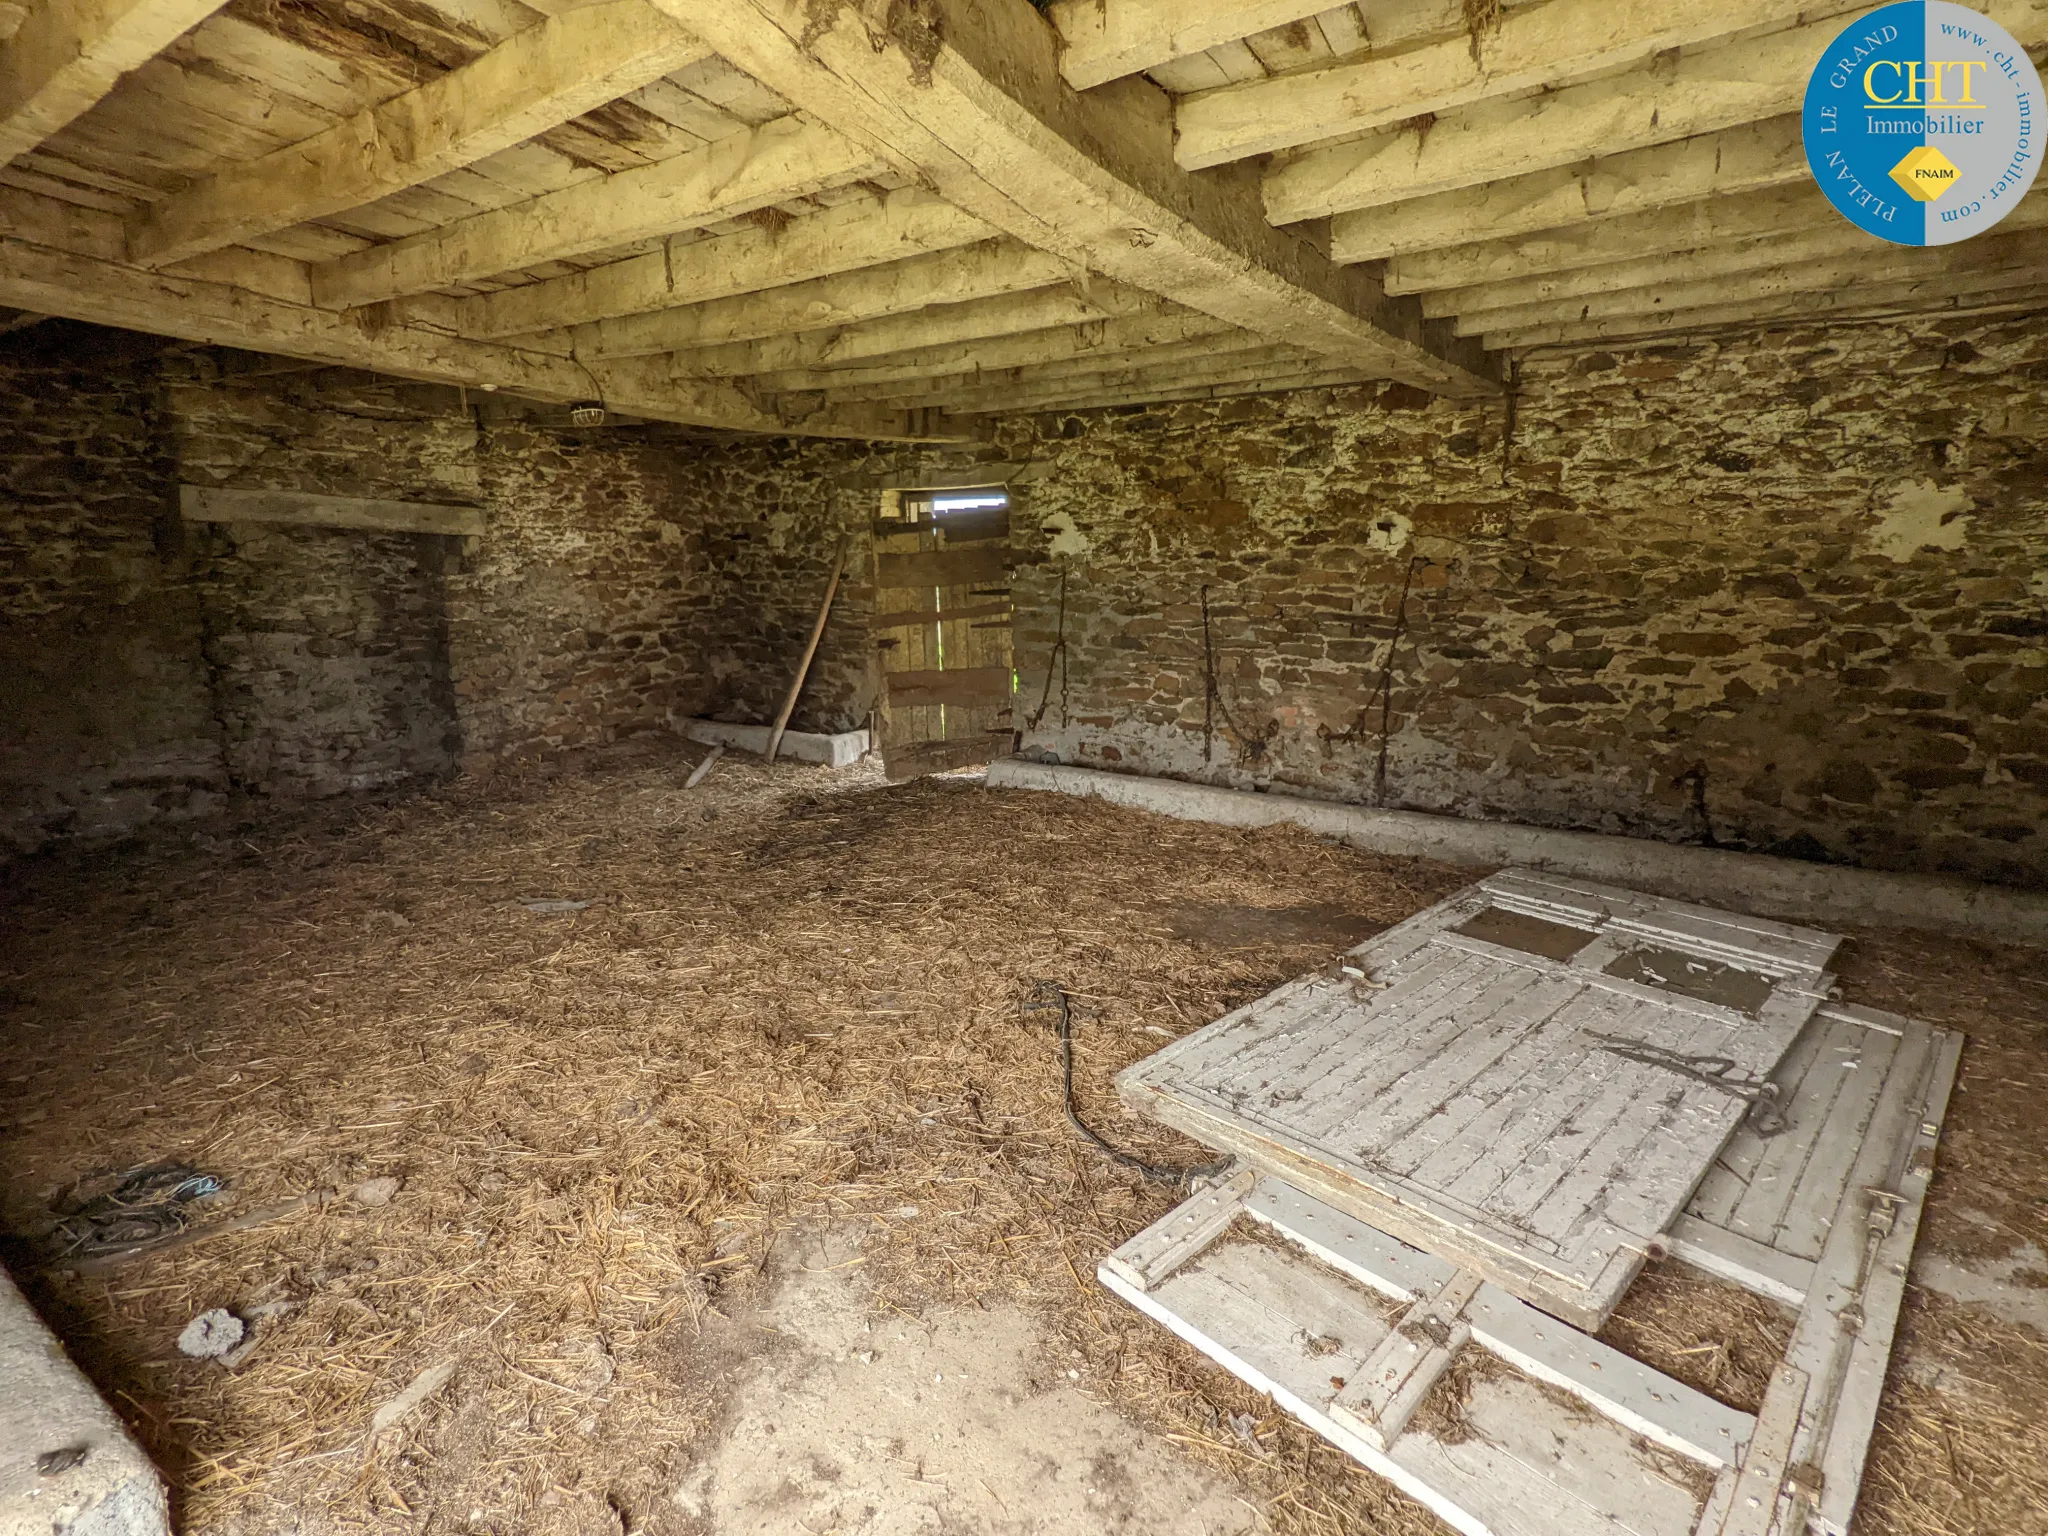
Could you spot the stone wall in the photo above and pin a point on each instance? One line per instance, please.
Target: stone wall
(153, 666)
(106, 713)
(1790, 593)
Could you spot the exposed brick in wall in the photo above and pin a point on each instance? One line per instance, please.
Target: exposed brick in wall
(1812, 566)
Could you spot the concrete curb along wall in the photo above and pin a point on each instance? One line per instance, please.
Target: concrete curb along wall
(834, 751)
(47, 1406)
(1746, 882)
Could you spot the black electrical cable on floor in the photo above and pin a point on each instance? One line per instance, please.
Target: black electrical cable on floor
(1050, 995)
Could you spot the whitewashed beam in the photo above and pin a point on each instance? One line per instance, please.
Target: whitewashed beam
(980, 271)
(1912, 302)
(863, 233)
(944, 325)
(974, 106)
(223, 504)
(1834, 246)
(1104, 40)
(1704, 92)
(67, 54)
(1753, 157)
(531, 82)
(1533, 47)
(1992, 254)
(1093, 340)
(80, 285)
(1711, 222)
(779, 160)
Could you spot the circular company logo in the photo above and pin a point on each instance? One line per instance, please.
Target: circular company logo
(1924, 122)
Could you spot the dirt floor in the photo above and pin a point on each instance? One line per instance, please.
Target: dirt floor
(740, 1199)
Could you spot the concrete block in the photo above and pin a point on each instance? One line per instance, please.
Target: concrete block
(48, 1413)
(1743, 882)
(834, 751)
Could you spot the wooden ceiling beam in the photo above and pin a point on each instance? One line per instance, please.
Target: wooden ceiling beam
(67, 54)
(1160, 392)
(1836, 246)
(1924, 300)
(81, 278)
(1994, 257)
(865, 233)
(1532, 48)
(1090, 341)
(1704, 92)
(979, 271)
(531, 82)
(937, 326)
(1105, 40)
(1753, 157)
(1710, 223)
(789, 157)
(966, 95)
(1191, 362)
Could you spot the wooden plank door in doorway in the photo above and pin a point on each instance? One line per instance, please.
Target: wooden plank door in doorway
(942, 629)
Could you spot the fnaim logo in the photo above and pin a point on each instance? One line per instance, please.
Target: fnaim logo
(1924, 122)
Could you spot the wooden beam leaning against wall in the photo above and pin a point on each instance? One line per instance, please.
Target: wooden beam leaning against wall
(68, 54)
(968, 98)
(786, 158)
(907, 222)
(533, 81)
(1532, 47)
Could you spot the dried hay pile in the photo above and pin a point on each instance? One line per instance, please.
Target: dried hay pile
(794, 995)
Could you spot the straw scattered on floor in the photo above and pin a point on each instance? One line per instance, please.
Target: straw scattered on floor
(795, 995)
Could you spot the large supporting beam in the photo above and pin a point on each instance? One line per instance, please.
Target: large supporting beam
(1995, 258)
(1710, 223)
(969, 98)
(73, 281)
(1531, 48)
(945, 277)
(866, 233)
(1697, 93)
(529, 83)
(1922, 301)
(1751, 158)
(940, 326)
(1091, 341)
(1108, 39)
(67, 54)
(779, 160)
(1833, 247)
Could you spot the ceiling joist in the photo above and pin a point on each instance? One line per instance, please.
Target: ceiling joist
(68, 54)
(529, 83)
(753, 169)
(864, 233)
(1533, 47)
(969, 99)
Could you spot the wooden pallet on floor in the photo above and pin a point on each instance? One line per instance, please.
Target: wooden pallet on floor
(1521, 1078)
(1348, 1328)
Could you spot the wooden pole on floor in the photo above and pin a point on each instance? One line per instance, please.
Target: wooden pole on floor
(803, 666)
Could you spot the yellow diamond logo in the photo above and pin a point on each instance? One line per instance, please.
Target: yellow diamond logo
(1925, 173)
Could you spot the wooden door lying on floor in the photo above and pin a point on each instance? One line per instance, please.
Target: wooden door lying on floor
(942, 635)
